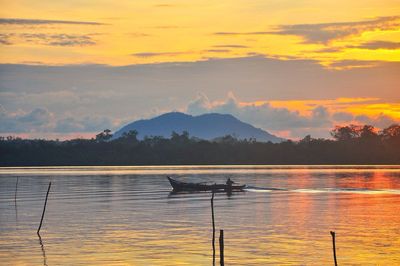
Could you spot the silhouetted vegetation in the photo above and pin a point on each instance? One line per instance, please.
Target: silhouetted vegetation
(350, 145)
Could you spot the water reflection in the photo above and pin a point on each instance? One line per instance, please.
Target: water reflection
(16, 213)
(43, 250)
(15, 202)
(130, 217)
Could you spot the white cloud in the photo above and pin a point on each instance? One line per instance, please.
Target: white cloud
(39, 119)
(123, 94)
(278, 120)
(42, 120)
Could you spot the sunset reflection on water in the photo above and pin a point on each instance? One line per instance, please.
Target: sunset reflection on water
(127, 216)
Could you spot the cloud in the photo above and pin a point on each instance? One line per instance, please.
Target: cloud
(42, 120)
(318, 122)
(132, 92)
(5, 38)
(329, 50)
(20, 21)
(217, 50)
(155, 54)
(342, 116)
(38, 119)
(326, 32)
(230, 46)
(85, 124)
(381, 121)
(375, 45)
(48, 39)
(58, 39)
(264, 116)
(343, 64)
(254, 54)
(166, 27)
(200, 105)
(242, 33)
(165, 5)
(139, 34)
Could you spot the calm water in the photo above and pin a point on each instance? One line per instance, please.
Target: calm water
(126, 216)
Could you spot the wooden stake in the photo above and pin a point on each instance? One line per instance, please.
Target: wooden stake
(44, 209)
(213, 227)
(334, 247)
(16, 189)
(15, 201)
(221, 247)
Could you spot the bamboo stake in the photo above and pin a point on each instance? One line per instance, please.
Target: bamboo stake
(221, 247)
(15, 201)
(213, 227)
(44, 209)
(334, 247)
(16, 189)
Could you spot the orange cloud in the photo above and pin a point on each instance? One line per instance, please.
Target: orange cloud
(373, 107)
(297, 118)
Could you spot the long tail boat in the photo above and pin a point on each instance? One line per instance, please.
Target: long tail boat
(183, 186)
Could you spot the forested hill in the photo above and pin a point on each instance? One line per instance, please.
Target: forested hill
(205, 126)
(351, 145)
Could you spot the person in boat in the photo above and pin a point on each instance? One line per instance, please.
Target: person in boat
(229, 183)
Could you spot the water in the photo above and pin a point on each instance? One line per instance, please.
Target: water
(127, 216)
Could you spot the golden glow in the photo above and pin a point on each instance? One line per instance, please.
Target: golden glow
(120, 225)
(355, 106)
(392, 110)
(136, 32)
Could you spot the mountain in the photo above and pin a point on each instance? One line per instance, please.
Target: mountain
(206, 126)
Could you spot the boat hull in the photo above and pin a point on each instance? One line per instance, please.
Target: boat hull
(183, 186)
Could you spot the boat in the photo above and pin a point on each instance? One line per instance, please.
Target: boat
(184, 186)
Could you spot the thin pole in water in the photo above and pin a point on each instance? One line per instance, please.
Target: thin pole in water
(44, 209)
(16, 189)
(334, 247)
(221, 247)
(213, 227)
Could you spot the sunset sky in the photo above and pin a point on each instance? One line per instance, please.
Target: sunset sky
(73, 68)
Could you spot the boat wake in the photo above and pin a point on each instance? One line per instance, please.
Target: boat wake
(264, 189)
(325, 190)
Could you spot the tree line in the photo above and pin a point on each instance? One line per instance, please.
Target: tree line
(351, 144)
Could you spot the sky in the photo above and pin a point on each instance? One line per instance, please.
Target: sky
(73, 68)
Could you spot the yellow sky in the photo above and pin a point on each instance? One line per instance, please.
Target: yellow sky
(357, 106)
(341, 35)
(136, 32)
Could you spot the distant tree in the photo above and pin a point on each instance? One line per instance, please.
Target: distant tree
(227, 139)
(368, 132)
(390, 133)
(104, 136)
(185, 135)
(183, 138)
(353, 145)
(251, 140)
(345, 133)
(174, 135)
(130, 136)
(307, 139)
